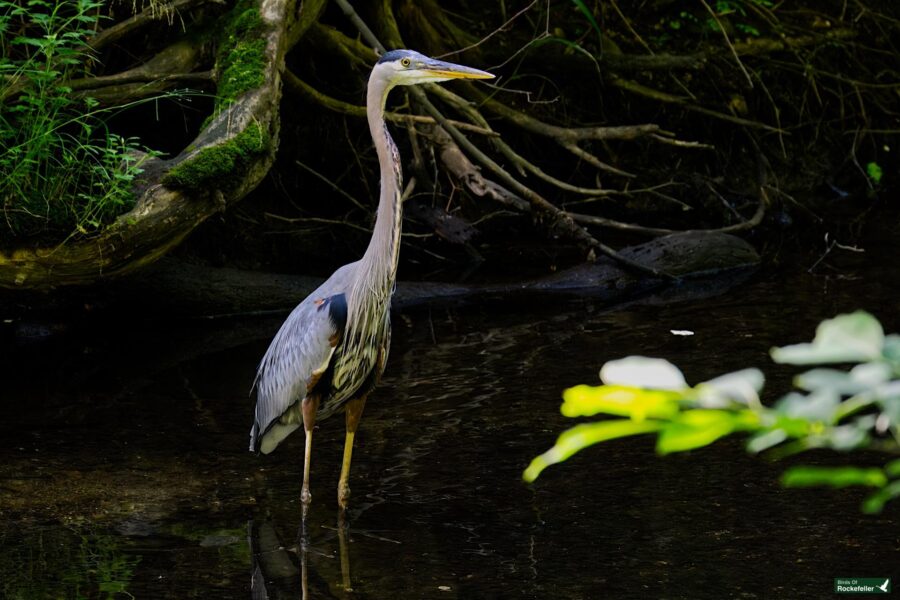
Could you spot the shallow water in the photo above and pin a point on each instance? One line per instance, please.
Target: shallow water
(125, 472)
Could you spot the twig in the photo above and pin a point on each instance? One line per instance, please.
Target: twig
(855, 161)
(93, 83)
(519, 161)
(407, 192)
(724, 202)
(532, 168)
(728, 42)
(593, 160)
(566, 134)
(304, 89)
(652, 190)
(630, 227)
(332, 185)
(681, 143)
(754, 221)
(654, 94)
(313, 220)
(494, 32)
(625, 20)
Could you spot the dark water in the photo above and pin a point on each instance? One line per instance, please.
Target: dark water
(125, 473)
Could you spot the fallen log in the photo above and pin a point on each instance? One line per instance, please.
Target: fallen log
(176, 288)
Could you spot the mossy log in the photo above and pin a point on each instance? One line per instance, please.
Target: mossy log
(225, 162)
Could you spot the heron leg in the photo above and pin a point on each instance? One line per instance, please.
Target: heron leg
(354, 410)
(308, 407)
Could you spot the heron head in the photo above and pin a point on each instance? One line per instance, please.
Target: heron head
(407, 67)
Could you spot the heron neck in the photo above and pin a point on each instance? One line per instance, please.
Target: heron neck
(380, 260)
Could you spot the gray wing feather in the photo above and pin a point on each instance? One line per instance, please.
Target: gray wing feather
(301, 349)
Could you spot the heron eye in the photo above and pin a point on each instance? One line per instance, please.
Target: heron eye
(405, 62)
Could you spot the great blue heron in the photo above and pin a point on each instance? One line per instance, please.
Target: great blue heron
(331, 350)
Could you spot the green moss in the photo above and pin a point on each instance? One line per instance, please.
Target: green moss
(241, 57)
(221, 163)
(242, 63)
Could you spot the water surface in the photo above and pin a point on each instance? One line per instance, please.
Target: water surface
(125, 472)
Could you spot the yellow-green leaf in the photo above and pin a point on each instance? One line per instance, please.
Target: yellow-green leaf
(582, 436)
(623, 401)
(695, 429)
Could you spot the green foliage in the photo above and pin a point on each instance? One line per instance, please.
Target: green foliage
(65, 563)
(873, 169)
(61, 171)
(842, 410)
(738, 14)
(582, 7)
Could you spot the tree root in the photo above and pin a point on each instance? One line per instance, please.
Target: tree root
(169, 206)
(475, 146)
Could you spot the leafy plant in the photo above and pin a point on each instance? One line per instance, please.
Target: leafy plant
(589, 16)
(842, 410)
(874, 171)
(61, 170)
(698, 19)
(65, 562)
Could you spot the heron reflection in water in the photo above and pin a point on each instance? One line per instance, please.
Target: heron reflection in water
(331, 351)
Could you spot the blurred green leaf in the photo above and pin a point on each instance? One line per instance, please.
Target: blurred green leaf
(854, 337)
(766, 439)
(636, 403)
(819, 405)
(792, 426)
(893, 468)
(888, 399)
(741, 387)
(582, 436)
(589, 16)
(891, 349)
(871, 374)
(875, 503)
(643, 372)
(873, 169)
(845, 437)
(837, 477)
(748, 29)
(700, 427)
(833, 379)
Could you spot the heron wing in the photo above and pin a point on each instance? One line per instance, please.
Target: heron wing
(297, 357)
